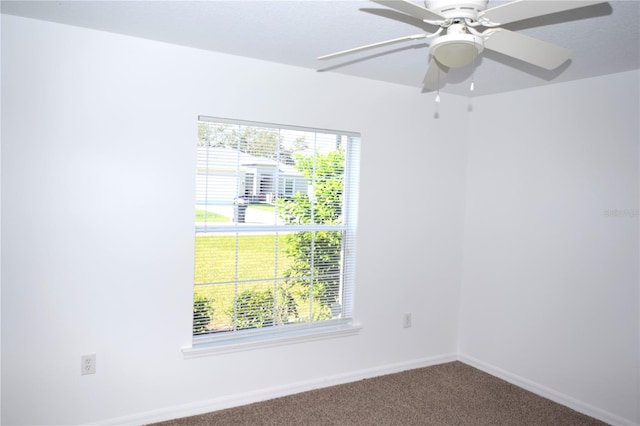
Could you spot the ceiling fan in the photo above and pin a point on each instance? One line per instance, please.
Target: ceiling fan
(467, 27)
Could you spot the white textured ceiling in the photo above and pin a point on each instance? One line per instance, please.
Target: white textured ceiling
(604, 38)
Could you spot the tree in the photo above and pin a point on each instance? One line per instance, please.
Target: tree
(257, 141)
(316, 266)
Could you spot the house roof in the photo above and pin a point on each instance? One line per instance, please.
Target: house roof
(227, 158)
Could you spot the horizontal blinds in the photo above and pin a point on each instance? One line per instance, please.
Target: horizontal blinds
(275, 226)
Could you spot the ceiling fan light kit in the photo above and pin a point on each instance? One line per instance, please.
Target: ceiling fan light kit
(457, 48)
(467, 27)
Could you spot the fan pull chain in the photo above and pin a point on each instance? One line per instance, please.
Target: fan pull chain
(472, 86)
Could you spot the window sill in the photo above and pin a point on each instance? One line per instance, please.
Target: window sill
(244, 343)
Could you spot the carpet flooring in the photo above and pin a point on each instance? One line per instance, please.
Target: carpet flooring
(446, 394)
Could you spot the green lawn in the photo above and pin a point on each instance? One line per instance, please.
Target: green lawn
(265, 207)
(202, 215)
(257, 257)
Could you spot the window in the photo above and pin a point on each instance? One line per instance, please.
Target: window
(275, 223)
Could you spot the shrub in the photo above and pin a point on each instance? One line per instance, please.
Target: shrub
(202, 314)
(254, 309)
(259, 308)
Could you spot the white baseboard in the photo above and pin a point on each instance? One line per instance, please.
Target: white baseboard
(546, 392)
(206, 406)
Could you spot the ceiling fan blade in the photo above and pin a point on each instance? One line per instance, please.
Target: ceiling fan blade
(412, 9)
(400, 17)
(435, 76)
(525, 48)
(524, 9)
(371, 46)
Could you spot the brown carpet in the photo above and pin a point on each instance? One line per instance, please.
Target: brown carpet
(447, 394)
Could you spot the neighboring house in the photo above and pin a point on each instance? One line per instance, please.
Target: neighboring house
(224, 174)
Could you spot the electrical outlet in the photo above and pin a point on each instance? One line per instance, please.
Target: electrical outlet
(406, 321)
(88, 364)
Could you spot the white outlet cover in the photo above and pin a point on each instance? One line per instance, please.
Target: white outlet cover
(88, 364)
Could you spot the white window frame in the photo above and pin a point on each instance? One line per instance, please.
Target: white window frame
(232, 341)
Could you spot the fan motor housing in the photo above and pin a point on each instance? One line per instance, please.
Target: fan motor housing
(457, 9)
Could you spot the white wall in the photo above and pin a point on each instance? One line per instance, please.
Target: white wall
(98, 166)
(550, 277)
(98, 163)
